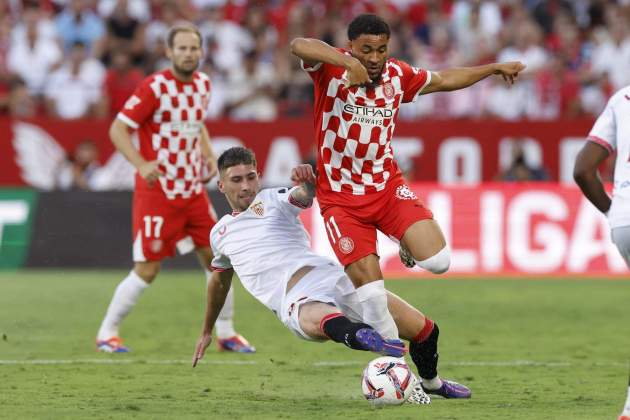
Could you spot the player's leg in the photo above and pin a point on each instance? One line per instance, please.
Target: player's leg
(125, 297)
(425, 244)
(354, 243)
(423, 334)
(155, 226)
(308, 310)
(405, 217)
(324, 321)
(227, 338)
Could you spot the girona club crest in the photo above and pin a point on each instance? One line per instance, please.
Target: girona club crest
(388, 90)
(156, 245)
(258, 209)
(404, 193)
(346, 245)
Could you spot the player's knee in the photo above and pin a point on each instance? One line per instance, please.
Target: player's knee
(438, 263)
(147, 271)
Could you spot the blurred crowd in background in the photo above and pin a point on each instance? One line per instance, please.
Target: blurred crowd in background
(82, 58)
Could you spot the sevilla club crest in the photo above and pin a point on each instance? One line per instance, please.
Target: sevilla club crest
(258, 209)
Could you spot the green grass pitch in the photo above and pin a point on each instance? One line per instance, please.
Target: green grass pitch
(529, 349)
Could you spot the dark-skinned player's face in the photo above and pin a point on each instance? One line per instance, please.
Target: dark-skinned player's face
(185, 52)
(371, 51)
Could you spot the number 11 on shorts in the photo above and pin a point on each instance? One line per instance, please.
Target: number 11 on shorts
(333, 229)
(153, 225)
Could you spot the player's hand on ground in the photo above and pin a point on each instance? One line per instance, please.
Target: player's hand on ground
(510, 70)
(210, 170)
(202, 344)
(303, 173)
(357, 74)
(150, 171)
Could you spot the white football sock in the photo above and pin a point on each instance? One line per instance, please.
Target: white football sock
(373, 298)
(434, 383)
(125, 297)
(225, 321)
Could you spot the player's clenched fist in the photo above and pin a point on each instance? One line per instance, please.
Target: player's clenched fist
(150, 171)
(510, 70)
(303, 174)
(357, 74)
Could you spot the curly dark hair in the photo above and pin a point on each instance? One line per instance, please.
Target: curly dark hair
(367, 24)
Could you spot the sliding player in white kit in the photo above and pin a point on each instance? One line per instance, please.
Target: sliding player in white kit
(265, 243)
(610, 134)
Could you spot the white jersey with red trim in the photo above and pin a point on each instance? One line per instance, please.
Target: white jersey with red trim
(612, 131)
(169, 115)
(265, 245)
(354, 126)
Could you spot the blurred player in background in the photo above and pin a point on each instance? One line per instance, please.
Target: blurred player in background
(360, 188)
(171, 209)
(264, 242)
(610, 134)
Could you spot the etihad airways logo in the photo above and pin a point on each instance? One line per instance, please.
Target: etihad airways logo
(366, 111)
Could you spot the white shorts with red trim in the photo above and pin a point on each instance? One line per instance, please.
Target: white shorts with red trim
(326, 283)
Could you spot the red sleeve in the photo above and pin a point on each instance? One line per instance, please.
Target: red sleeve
(413, 80)
(140, 105)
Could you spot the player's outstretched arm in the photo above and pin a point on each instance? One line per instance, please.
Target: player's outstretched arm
(459, 78)
(313, 51)
(119, 133)
(218, 288)
(587, 177)
(303, 176)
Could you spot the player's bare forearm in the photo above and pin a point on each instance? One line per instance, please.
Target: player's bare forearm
(462, 77)
(304, 194)
(304, 176)
(587, 177)
(218, 288)
(120, 136)
(206, 145)
(208, 154)
(313, 51)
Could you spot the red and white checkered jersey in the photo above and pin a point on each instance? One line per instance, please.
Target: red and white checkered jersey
(354, 126)
(169, 115)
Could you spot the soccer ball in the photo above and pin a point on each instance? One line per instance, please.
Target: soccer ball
(387, 381)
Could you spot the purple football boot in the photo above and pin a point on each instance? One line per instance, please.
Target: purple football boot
(372, 341)
(450, 389)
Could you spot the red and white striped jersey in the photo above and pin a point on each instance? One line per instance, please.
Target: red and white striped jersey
(354, 126)
(169, 115)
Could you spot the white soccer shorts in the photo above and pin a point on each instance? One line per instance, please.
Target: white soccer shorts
(326, 283)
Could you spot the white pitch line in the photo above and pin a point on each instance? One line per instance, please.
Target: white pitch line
(122, 362)
(332, 363)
